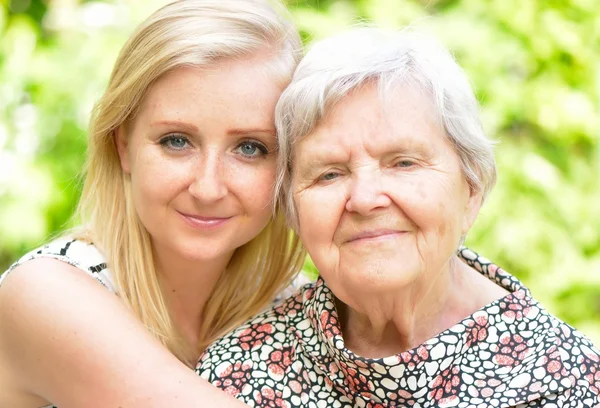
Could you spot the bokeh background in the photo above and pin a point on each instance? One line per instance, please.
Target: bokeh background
(534, 65)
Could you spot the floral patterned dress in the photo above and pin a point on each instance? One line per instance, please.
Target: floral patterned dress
(510, 353)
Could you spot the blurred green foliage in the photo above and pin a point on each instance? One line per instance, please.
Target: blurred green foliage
(534, 65)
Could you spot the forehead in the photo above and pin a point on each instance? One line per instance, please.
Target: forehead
(366, 118)
(240, 90)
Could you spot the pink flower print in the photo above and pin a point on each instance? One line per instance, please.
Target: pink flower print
(492, 270)
(400, 399)
(486, 388)
(511, 351)
(519, 307)
(254, 336)
(299, 387)
(413, 357)
(477, 330)
(371, 404)
(588, 363)
(329, 324)
(593, 377)
(445, 386)
(233, 377)
(353, 379)
(361, 364)
(267, 397)
(278, 362)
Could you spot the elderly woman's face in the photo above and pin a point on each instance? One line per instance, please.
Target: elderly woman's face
(379, 192)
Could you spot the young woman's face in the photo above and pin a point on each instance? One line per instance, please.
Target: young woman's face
(201, 155)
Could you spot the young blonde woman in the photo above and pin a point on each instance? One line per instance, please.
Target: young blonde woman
(179, 241)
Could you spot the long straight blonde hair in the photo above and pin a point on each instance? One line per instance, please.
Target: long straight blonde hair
(184, 33)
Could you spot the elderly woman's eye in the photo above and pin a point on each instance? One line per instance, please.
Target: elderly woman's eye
(328, 176)
(405, 163)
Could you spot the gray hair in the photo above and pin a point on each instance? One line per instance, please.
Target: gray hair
(334, 67)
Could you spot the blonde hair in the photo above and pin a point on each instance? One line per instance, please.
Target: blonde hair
(336, 66)
(184, 33)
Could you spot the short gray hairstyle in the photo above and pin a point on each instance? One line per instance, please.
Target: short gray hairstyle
(334, 67)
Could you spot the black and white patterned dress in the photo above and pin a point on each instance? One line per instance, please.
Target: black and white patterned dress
(510, 353)
(78, 253)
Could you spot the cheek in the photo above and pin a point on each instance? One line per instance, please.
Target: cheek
(253, 186)
(156, 180)
(319, 213)
(431, 202)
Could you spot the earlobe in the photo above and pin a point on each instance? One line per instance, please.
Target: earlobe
(122, 148)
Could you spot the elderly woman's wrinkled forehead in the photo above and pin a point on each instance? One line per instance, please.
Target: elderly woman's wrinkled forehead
(398, 119)
(388, 93)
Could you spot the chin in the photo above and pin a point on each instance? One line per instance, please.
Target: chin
(381, 283)
(202, 253)
(381, 275)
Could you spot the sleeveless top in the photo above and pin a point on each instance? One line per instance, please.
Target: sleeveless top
(86, 256)
(80, 254)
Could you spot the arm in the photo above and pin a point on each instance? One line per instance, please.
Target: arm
(68, 340)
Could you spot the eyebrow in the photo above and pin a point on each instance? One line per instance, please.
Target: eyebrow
(193, 128)
(317, 162)
(320, 160)
(175, 123)
(252, 131)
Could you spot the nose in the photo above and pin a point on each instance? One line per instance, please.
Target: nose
(209, 182)
(366, 193)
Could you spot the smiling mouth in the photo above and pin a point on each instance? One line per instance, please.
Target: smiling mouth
(375, 235)
(202, 222)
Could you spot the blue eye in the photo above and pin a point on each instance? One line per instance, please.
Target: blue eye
(328, 176)
(252, 149)
(175, 142)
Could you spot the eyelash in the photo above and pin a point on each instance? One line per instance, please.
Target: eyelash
(407, 161)
(261, 147)
(322, 178)
(175, 136)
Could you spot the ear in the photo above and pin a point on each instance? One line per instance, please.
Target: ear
(473, 205)
(122, 148)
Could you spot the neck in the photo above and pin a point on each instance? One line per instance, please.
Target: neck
(187, 286)
(388, 324)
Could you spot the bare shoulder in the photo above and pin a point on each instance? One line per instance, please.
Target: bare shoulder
(37, 292)
(66, 339)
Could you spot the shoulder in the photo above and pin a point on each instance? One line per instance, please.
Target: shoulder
(564, 360)
(81, 340)
(51, 304)
(580, 360)
(256, 354)
(80, 254)
(65, 337)
(44, 288)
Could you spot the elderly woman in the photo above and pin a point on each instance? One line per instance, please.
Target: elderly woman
(384, 167)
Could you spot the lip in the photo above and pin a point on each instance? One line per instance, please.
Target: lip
(203, 222)
(375, 235)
